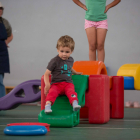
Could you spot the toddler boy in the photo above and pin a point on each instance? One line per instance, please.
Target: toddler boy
(60, 68)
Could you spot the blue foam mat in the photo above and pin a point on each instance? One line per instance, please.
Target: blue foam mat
(25, 130)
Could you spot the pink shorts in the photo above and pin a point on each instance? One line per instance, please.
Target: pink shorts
(99, 24)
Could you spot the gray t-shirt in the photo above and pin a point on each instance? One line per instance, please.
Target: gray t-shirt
(7, 26)
(60, 69)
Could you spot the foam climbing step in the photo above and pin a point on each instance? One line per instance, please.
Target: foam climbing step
(62, 112)
(60, 118)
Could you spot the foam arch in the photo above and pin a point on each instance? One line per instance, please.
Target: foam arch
(90, 67)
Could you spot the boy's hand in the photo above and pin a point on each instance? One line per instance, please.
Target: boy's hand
(79, 73)
(75, 72)
(46, 89)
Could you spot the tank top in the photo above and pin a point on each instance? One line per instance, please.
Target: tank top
(95, 10)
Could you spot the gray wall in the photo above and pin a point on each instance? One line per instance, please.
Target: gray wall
(37, 25)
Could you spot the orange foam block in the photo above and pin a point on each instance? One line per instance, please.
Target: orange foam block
(90, 67)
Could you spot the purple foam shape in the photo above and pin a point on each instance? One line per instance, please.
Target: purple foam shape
(16, 96)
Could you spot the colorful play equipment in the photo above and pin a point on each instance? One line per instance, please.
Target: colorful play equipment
(62, 112)
(101, 97)
(25, 92)
(31, 123)
(25, 130)
(116, 88)
(104, 97)
(131, 73)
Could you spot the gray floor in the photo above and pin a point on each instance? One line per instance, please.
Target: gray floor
(116, 129)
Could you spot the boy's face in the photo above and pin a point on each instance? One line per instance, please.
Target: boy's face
(64, 52)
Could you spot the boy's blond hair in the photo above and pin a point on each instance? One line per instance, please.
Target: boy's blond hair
(66, 41)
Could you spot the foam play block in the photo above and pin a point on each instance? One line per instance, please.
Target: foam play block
(31, 123)
(117, 98)
(60, 118)
(90, 67)
(110, 81)
(99, 99)
(97, 104)
(129, 83)
(25, 130)
(131, 70)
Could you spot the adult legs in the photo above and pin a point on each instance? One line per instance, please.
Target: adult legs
(101, 35)
(2, 87)
(92, 35)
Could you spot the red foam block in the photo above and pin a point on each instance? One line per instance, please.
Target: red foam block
(97, 100)
(117, 97)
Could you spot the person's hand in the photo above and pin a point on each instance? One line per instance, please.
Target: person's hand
(85, 8)
(79, 73)
(7, 44)
(46, 89)
(106, 9)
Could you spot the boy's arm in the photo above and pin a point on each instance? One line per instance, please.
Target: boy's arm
(114, 3)
(79, 3)
(47, 82)
(75, 72)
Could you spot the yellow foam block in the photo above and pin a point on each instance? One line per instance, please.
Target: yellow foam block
(131, 70)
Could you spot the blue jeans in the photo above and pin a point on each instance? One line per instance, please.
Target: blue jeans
(2, 87)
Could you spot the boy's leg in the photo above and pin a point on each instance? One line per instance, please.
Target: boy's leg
(72, 96)
(51, 97)
(75, 105)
